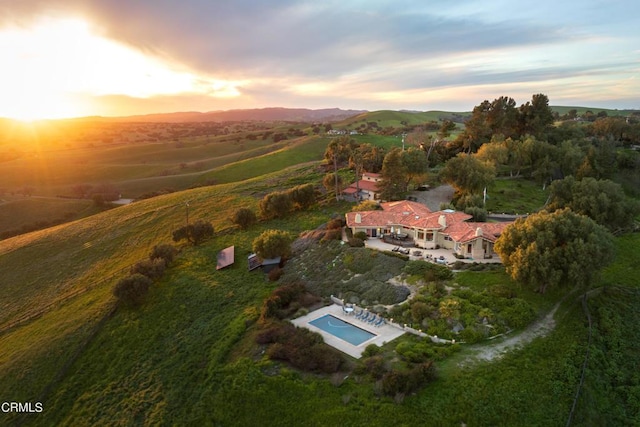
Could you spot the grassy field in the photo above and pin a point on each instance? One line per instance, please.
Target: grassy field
(136, 169)
(515, 196)
(581, 110)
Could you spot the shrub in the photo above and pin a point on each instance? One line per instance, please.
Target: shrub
(152, 268)
(132, 289)
(275, 274)
(301, 348)
(165, 252)
(276, 205)
(479, 214)
(355, 242)
(334, 234)
(244, 218)
(272, 244)
(335, 224)
(195, 233)
(361, 235)
(375, 366)
(303, 196)
(428, 271)
(371, 350)
(366, 205)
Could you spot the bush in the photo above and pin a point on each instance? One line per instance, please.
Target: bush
(367, 205)
(303, 196)
(276, 205)
(165, 252)
(355, 242)
(275, 274)
(244, 218)
(195, 233)
(335, 224)
(272, 244)
(301, 348)
(371, 350)
(479, 214)
(132, 289)
(428, 271)
(152, 268)
(361, 235)
(333, 234)
(375, 366)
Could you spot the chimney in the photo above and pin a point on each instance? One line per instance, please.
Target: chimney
(442, 220)
(358, 218)
(478, 232)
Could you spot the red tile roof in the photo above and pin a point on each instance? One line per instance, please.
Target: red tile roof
(411, 214)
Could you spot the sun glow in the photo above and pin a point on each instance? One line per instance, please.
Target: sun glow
(59, 68)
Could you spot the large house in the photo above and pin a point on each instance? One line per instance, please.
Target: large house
(429, 230)
(364, 189)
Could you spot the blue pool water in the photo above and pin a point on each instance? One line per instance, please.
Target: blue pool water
(341, 329)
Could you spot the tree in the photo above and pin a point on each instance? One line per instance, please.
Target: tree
(415, 165)
(446, 128)
(152, 268)
(394, 172)
(165, 252)
(338, 151)
(468, 174)
(536, 117)
(495, 152)
(603, 201)
(276, 205)
(195, 233)
(132, 289)
(272, 244)
(303, 195)
(372, 157)
(244, 218)
(329, 182)
(555, 249)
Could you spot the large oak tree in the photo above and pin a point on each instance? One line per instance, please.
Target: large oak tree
(559, 249)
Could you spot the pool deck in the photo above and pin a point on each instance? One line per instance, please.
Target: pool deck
(384, 334)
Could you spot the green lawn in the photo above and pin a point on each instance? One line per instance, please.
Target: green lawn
(515, 196)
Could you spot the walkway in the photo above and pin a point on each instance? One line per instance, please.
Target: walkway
(447, 254)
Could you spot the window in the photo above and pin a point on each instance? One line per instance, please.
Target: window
(430, 236)
(420, 235)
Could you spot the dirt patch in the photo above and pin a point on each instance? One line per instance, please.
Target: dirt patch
(497, 349)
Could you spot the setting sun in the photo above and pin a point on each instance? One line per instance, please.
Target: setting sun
(58, 68)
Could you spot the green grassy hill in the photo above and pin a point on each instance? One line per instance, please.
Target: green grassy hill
(581, 110)
(386, 118)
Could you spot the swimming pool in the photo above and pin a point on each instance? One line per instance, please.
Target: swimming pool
(341, 329)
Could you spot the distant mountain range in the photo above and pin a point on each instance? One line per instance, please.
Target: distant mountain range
(255, 114)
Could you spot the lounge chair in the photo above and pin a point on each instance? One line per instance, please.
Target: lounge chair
(373, 319)
(380, 322)
(365, 317)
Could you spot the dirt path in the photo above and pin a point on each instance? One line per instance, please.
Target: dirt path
(435, 197)
(496, 350)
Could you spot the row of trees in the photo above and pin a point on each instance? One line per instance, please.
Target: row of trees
(280, 203)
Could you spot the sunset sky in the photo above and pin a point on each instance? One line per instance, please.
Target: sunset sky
(64, 58)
